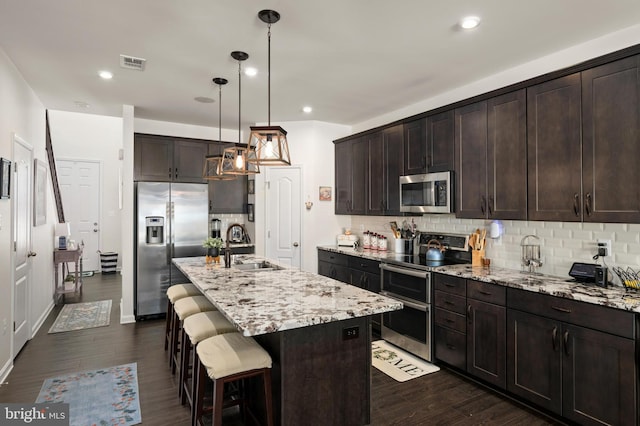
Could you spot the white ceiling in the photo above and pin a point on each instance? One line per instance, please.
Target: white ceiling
(352, 60)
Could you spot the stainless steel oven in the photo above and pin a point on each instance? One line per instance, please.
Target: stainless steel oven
(409, 328)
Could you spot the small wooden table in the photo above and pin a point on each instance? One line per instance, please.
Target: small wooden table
(63, 257)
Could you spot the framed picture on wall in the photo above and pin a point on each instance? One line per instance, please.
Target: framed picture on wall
(325, 193)
(5, 178)
(39, 193)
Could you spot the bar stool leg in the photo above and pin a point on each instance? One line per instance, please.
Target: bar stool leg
(199, 381)
(185, 350)
(218, 399)
(266, 379)
(167, 328)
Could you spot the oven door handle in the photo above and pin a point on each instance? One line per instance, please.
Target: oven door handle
(406, 302)
(405, 271)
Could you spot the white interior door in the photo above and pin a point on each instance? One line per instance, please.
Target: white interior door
(283, 214)
(21, 195)
(79, 182)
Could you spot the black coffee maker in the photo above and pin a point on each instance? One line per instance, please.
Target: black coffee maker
(216, 224)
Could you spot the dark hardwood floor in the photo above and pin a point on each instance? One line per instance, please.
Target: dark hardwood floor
(441, 398)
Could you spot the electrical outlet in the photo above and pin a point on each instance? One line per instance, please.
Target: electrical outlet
(604, 247)
(350, 333)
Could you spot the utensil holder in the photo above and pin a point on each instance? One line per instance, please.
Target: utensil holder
(476, 257)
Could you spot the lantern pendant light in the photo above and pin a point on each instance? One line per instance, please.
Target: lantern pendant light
(236, 160)
(213, 163)
(270, 142)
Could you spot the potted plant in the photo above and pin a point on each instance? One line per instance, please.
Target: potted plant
(213, 246)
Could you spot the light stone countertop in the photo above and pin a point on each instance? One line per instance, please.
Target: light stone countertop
(260, 302)
(614, 297)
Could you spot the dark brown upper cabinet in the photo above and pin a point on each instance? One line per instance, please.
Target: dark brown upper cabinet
(554, 150)
(491, 158)
(583, 145)
(471, 160)
(611, 142)
(226, 196)
(440, 136)
(415, 147)
(386, 165)
(428, 144)
(351, 175)
(166, 159)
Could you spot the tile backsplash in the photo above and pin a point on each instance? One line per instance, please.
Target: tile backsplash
(562, 243)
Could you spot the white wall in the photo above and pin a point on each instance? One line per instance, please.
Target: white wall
(311, 147)
(77, 136)
(24, 115)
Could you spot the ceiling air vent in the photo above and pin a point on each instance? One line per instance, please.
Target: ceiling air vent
(132, 63)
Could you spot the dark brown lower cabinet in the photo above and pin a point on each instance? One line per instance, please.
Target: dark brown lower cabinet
(584, 375)
(486, 341)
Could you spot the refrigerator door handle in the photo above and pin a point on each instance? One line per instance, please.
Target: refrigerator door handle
(169, 245)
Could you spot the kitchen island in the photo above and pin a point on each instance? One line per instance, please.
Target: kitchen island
(316, 329)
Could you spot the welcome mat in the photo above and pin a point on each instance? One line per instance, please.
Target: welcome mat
(77, 316)
(100, 397)
(398, 364)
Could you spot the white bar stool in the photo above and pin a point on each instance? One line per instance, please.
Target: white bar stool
(182, 309)
(174, 293)
(224, 359)
(195, 329)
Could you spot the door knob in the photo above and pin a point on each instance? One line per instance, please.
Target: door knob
(31, 254)
(296, 244)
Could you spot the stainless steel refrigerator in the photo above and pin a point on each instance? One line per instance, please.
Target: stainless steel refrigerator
(172, 221)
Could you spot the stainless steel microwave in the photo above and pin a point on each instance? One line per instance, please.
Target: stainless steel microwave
(427, 193)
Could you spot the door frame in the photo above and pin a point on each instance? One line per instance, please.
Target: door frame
(18, 140)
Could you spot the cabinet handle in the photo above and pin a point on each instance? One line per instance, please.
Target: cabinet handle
(486, 293)
(483, 201)
(176, 173)
(449, 285)
(490, 206)
(587, 204)
(169, 172)
(566, 343)
(576, 201)
(450, 346)
(558, 308)
(446, 302)
(469, 313)
(554, 338)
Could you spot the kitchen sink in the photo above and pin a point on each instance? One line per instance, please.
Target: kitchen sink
(257, 266)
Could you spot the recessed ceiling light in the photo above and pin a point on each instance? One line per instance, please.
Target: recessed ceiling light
(204, 100)
(106, 75)
(250, 72)
(307, 109)
(469, 22)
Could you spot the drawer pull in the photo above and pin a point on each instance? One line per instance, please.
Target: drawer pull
(449, 285)
(486, 293)
(565, 310)
(453, 348)
(566, 343)
(446, 302)
(450, 321)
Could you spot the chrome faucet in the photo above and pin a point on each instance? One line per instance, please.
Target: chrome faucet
(227, 251)
(530, 254)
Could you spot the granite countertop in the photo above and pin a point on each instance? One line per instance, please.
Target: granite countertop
(260, 302)
(614, 297)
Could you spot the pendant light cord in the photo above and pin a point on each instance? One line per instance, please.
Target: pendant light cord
(239, 99)
(269, 75)
(220, 113)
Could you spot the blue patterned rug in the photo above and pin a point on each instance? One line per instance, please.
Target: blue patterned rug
(101, 397)
(77, 316)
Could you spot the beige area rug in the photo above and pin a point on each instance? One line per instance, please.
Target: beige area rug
(398, 364)
(78, 316)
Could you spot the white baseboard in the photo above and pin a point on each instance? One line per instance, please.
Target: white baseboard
(6, 369)
(42, 319)
(126, 319)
